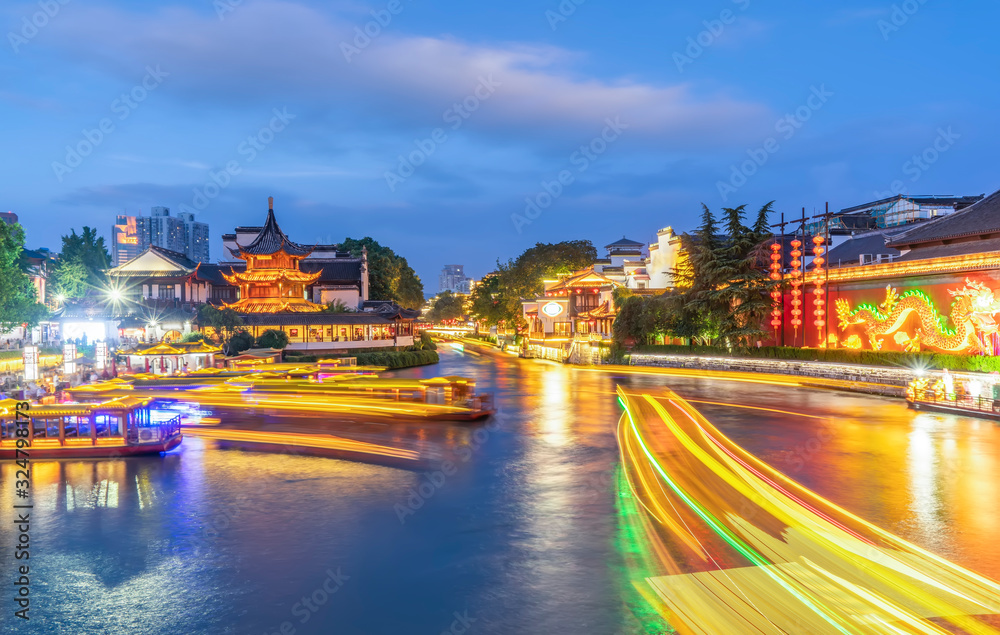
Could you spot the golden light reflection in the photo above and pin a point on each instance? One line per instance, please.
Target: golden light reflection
(776, 557)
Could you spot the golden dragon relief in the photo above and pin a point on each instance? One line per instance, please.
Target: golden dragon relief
(971, 317)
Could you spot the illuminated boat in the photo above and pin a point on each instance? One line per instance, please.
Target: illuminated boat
(956, 393)
(347, 395)
(125, 426)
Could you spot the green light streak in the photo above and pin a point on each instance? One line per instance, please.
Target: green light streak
(724, 533)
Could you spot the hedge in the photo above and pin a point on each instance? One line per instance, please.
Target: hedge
(980, 363)
(389, 359)
(19, 353)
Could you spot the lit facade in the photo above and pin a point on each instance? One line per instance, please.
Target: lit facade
(131, 235)
(577, 309)
(936, 293)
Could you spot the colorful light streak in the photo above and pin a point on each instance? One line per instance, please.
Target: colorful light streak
(819, 312)
(796, 281)
(777, 310)
(816, 567)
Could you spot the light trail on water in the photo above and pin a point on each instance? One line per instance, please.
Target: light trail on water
(813, 566)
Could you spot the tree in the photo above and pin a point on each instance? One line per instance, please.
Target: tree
(446, 306)
(485, 304)
(241, 340)
(223, 321)
(390, 277)
(70, 279)
(272, 338)
(498, 300)
(743, 294)
(18, 300)
(337, 306)
(89, 250)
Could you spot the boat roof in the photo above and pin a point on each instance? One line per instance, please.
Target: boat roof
(120, 404)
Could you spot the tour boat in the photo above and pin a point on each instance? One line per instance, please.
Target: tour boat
(125, 426)
(438, 398)
(960, 394)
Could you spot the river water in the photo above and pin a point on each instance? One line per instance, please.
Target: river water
(522, 535)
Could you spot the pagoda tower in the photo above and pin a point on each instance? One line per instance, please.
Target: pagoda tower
(272, 282)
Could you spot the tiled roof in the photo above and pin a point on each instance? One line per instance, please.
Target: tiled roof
(340, 270)
(310, 319)
(625, 242)
(849, 252)
(271, 240)
(980, 219)
(958, 202)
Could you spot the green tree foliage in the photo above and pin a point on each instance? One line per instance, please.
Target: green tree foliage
(497, 302)
(446, 306)
(272, 338)
(193, 336)
(223, 321)
(486, 304)
(723, 287)
(70, 279)
(427, 342)
(337, 306)
(88, 249)
(18, 301)
(390, 277)
(240, 341)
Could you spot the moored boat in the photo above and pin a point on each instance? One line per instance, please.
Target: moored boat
(125, 426)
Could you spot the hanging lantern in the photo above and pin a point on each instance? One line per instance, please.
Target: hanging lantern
(819, 310)
(776, 303)
(796, 282)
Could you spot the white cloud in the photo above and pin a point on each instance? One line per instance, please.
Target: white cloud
(280, 53)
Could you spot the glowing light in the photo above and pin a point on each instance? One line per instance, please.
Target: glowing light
(971, 315)
(777, 308)
(825, 571)
(796, 282)
(819, 312)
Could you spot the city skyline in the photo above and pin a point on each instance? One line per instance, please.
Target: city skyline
(686, 90)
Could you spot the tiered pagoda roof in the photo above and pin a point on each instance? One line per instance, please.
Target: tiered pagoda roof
(268, 288)
(271, 240)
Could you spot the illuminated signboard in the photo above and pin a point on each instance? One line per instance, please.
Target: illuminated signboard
(126, 234)
(30, 363)
(552, 309)
(100, 355)
(69, 358)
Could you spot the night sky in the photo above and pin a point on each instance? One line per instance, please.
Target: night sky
(488, 103)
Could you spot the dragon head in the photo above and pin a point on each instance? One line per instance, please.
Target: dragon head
(981, 304)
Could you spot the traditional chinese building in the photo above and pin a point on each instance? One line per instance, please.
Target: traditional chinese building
(277, 280)
(272, 281)
(928, 286)
(576, 311)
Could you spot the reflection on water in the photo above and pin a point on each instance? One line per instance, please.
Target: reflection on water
(525, 535)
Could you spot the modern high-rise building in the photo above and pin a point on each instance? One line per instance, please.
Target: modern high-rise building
(453, 279)
(132, 235)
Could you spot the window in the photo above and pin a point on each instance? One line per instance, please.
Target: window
(166, 292)
(561, 328)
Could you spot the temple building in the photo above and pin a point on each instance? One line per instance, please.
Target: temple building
(272, 281)
(573, 316)
(279, 286)
(927, 286)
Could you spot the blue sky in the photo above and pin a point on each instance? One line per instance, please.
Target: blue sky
(698, 90)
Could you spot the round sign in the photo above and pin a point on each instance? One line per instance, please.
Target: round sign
(552, 309)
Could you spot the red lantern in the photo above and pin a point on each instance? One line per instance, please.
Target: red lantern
(796, 282)
(819, 310)
(776, 303)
